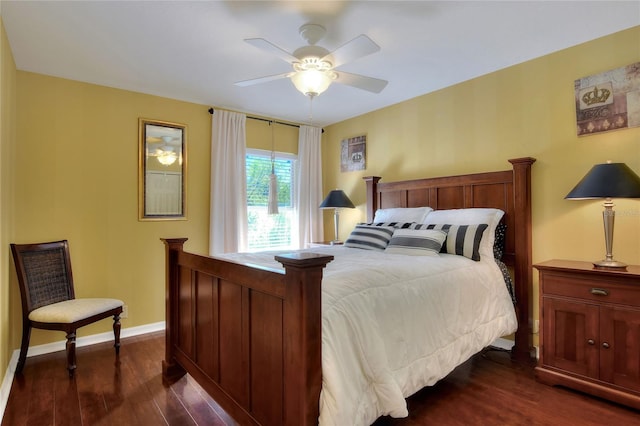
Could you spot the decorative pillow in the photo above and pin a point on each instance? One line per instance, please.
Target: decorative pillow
(471, 216)
(507, 279)
(463, 240)
(399, 225)
(415, 226)
(370, 237)
(498, 244)
(416, 242)
(402, 214)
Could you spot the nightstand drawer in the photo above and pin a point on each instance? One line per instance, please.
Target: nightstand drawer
(599, 291)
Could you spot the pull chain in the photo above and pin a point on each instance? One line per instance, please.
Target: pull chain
(311, 108)
(272, 199)
(273, 148)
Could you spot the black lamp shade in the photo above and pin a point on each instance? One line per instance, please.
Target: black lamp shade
(609, 180)
(336, 199)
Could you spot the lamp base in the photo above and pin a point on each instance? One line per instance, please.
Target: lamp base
(609, 264)
(336, 242)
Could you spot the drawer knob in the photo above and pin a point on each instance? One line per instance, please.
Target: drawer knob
(599, 292)
(605, 345)
(591, 342)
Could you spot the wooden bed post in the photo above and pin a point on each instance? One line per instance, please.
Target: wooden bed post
(523, 264)
(302, 336)
(171, 371)
(372, 196)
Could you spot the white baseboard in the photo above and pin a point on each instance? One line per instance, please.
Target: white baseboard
(7, 381)
(93, 339)
(60, 346)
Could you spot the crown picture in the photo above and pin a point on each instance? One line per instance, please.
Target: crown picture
(596, 96)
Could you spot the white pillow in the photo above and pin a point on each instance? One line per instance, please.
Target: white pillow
(416, 242)
(472, 216)
(402, 214)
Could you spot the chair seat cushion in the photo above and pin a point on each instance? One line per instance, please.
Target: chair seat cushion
(73, 310)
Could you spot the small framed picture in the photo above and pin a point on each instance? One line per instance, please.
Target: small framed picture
(353, 154)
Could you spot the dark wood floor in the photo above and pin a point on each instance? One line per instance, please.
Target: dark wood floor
(487, 390)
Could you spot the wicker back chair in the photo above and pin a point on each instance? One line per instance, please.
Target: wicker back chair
(48, 298)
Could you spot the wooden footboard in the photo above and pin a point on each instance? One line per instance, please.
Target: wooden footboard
(250, 336)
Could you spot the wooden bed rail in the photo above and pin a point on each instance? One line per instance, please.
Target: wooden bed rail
(250, 336)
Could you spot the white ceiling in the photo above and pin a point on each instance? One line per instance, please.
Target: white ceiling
(194, 50)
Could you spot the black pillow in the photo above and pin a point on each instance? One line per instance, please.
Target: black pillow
(498, 244)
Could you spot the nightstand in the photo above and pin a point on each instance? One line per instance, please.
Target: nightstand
(590, 329)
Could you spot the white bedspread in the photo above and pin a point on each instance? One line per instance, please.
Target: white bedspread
(392, 324)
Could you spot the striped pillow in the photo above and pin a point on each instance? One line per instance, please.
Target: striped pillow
(469, 216)
(399, 225)
(463, 240)
(394, 224)
(416, 242)
(370, 237)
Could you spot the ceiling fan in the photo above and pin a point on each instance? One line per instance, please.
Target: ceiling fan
(314, 67)
(166, 149)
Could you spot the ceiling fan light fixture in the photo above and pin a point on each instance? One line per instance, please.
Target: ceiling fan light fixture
(167, 158)
(312, 82)
(313, 65)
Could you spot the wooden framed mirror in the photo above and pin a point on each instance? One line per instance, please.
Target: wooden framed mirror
(162, 180)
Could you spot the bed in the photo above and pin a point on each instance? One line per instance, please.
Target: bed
(251, 330)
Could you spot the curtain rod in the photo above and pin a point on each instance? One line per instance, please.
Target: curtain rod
(211, 111)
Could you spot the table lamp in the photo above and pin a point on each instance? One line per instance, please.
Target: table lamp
(336, 199)
(608, 180)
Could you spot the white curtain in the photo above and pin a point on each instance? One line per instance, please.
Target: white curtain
(228, 221)
(309, 190)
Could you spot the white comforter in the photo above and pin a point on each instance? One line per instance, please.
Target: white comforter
(392, 324)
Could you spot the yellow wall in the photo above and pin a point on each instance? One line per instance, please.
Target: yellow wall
(524, 110)
(7, 141)
(285, 138)
(76, 178)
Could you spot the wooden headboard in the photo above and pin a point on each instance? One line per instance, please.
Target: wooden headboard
(508, 190)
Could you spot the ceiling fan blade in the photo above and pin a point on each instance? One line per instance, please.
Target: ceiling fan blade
(369, 84)
(267, 46)
(264, 79)
(352, 50)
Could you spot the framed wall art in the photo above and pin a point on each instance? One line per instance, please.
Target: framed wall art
(608, 101)
(353, 154)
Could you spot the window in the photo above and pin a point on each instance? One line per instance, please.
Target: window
(270, 231)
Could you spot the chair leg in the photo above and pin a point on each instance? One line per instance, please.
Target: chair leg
(71, 352)
(116, 333)
(24, 347)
